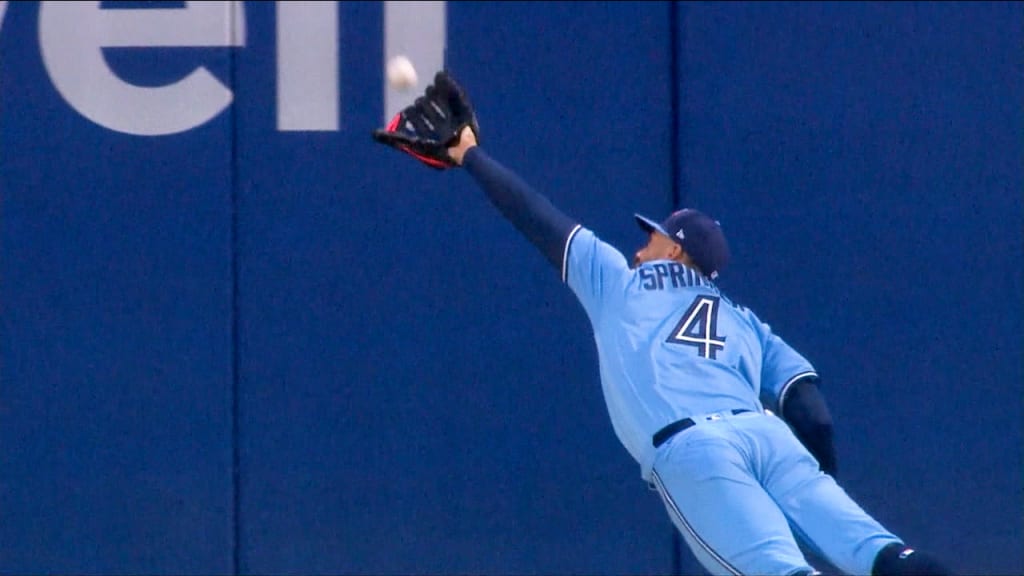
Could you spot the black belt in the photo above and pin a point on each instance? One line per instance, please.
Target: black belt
(662, 436)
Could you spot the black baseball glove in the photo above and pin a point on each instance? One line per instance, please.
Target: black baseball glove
(431, 124)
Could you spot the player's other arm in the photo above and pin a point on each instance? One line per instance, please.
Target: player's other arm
(544, 225)
(791, 386)
(805, 410)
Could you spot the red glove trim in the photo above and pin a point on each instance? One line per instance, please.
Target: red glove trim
(393, 127)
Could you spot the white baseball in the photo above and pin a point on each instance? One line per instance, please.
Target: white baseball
(401, 73)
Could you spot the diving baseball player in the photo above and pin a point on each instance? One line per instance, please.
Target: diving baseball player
(686, 374)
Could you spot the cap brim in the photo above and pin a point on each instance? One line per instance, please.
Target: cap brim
(649, 225)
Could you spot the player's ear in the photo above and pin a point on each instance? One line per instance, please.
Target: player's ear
(676, 252)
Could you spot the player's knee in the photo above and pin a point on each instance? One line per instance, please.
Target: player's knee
(900, 560)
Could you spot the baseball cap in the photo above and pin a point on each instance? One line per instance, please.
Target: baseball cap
(698, 234)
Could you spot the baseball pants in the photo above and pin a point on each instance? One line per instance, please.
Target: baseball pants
(738, 487)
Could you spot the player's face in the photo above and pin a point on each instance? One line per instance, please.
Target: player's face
(658, 247)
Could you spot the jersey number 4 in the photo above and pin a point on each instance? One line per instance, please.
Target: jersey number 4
(699, 327)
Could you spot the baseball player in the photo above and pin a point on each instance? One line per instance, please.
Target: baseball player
(687, 374)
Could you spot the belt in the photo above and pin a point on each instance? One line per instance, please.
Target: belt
(662, 436)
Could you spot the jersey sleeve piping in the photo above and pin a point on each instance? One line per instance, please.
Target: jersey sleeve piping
(788, 384)
(565, 252)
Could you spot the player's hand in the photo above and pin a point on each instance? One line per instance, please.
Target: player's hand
(432, 124)
(467, 139)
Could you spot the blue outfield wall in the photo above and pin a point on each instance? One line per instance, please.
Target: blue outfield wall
(115, 350)
(237, 347)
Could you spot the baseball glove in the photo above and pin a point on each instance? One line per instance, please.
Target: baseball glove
(431, 124)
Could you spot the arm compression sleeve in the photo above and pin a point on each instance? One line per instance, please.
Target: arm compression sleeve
(807, 414)
(531, 213)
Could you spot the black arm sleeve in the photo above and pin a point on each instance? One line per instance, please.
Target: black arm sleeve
(807, 414)
(531, 213)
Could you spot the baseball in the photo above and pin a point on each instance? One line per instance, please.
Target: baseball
(401, 73)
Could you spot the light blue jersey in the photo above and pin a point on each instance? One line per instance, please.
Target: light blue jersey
(671, 345)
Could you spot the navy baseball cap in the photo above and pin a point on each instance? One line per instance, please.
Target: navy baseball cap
(698, 234)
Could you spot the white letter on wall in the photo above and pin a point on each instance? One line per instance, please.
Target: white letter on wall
(73, 34)
(417, 30)
(307, 66)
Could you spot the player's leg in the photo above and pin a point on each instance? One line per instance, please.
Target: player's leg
(831, 521)
(730, 523)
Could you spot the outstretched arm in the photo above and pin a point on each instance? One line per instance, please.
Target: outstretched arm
(440, 130)
(532, 214)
